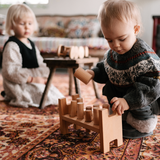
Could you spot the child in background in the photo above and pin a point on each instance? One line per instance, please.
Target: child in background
(130, 70)
(24, 73)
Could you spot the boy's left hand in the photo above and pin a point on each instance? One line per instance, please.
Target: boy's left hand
(119, 104)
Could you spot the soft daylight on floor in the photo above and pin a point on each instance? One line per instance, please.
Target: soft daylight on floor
(31, 133)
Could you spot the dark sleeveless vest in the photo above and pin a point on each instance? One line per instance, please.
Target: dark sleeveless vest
(29, 58)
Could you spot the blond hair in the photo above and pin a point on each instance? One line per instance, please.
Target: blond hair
(15, 12)
(122, 10)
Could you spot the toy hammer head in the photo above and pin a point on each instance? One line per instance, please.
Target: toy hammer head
(82, 75)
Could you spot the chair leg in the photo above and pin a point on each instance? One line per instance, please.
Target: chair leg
(46, 90)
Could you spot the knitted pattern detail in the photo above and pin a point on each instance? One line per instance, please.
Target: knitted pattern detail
(140, 60)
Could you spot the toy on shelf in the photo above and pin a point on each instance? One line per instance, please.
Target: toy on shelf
(74, 52)
(109, 126)
(82, 75)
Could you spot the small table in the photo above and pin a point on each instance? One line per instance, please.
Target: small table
(72, 64)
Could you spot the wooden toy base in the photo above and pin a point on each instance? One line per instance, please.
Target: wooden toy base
(109, 127)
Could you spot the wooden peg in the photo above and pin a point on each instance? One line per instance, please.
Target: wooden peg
(80, 110)
(73, 108)
(79, 99)
(106, 105)
(96, 115)
(89, 108)
(69, 108)
(75, 96)
(88, 115)
(63, 109)
(61, 51)
(96, 105)
(81, 52)
(72, 53)
(86, 51)
(83, 75)
(76, 52)
(65, 51)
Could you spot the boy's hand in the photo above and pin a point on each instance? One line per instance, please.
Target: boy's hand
(119, 104)
(90, 72)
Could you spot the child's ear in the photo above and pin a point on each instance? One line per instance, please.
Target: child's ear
(136, 29)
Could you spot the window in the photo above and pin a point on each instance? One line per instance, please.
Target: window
(6, 3)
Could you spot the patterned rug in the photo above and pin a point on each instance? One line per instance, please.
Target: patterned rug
(23, 128)
(81, 145)
(31, 133)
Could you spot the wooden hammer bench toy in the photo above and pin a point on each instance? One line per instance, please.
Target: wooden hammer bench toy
(109, 126)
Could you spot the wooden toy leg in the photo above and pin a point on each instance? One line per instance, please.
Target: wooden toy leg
(88, 130)
(104, 143)
(110, 131)
(63, 109)
(77, 127)
(64, 127)
(118, 141)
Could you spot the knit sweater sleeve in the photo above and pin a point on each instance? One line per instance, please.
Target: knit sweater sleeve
(145, 91)
(100, 73)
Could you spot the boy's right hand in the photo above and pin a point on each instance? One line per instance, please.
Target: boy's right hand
(90, 72)
(119, 104)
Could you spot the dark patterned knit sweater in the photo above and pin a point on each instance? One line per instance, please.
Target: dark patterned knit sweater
(133, 75)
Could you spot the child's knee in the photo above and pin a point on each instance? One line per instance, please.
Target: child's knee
(143, 126)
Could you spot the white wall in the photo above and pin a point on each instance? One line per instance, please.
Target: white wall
(70, 7)
(148, 9)
(67, 7)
